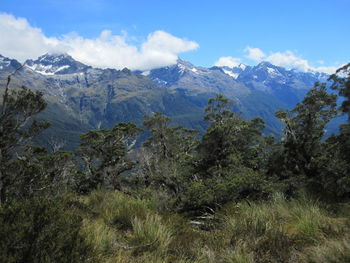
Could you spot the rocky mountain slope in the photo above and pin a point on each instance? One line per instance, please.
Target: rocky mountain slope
(81, 97)
(257, 90)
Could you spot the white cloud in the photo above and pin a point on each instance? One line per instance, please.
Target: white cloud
(255, 54)
(230, 62)
(22, 41)
(287, 59)
(328, 70)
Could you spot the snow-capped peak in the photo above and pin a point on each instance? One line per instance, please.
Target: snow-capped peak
(185, 66)
(231, 73)
(52, 64)
(234, 72)
(8, 63)
(242, 66)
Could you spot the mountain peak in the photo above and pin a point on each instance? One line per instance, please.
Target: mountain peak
(265, 64)
(9, 63)
(56, 64)
(54, 57)
(233, 71)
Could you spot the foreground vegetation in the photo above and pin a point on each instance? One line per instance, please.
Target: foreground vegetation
(229, 195)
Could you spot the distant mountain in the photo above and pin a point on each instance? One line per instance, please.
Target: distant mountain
(56, 64)
(81, 97)
(257, 90)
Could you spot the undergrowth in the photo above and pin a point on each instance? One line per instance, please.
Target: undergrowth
(121, 228)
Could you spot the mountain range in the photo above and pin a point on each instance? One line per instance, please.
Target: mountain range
(81, 97)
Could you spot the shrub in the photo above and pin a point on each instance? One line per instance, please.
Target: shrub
(41, 230)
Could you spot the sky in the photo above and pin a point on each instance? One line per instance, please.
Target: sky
(146, 34)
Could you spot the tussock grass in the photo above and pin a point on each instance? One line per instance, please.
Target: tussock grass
(150, 234)
(239, 255)
(126, 229)
(331, 251)
(100, 236)
(118, 209)
(275, 230)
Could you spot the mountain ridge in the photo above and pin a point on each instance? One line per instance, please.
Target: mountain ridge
(92, 98)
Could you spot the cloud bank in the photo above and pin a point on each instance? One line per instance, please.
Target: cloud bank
(22, 41)
(230, 62)
(286, 59)
(255, 54)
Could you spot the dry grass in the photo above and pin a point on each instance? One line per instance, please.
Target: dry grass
(127, 229)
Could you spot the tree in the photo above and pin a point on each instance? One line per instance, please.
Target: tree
(228, 165)
(299, 160)
(17, 129)
(337, 178)
(104, 154)
(229, 141)
(166, 156)
(341, 83)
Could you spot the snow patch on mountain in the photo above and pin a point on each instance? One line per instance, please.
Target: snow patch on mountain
(54, 64)
(242, 66)
(230, 73)
(47, 70)
(273, 72)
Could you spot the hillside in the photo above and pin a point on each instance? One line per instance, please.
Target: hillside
(81, 98)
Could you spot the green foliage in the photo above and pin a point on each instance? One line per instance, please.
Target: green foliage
(172, 208)
(229, 141)
(230, 162)
(165, 160)
(338, 168)
(279, 230)
(332, 251)
(28, 170)
(18, 107)
(104, 155)
(299, 161)
(274, 230)
(117, 209)
(38, 173)
(168, 142)
(341, 83)
(150, 234)
(16, 131)
(41, 230)
(218, 109)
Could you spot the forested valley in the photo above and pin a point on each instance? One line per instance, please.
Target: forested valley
(230, 194)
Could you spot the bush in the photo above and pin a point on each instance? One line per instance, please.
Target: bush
(41, 230)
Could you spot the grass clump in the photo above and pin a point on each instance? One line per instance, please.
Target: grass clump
(331, 251)
(274, 231)
(150, 234)
(118, 209)
(101, 237)
(126, 229)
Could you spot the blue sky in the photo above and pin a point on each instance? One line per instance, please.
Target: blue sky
(306, 34)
